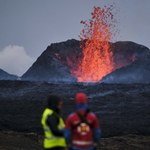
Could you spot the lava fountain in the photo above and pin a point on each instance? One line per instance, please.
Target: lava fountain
(97, 60)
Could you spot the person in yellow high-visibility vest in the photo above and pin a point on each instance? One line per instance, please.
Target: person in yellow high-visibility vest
(53, 125)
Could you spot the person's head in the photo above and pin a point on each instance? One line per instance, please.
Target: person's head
(54, 102)
(81, 101)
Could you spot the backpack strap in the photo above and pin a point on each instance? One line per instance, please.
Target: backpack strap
(83, 118)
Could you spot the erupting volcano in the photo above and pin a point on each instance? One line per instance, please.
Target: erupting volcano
(97, 60)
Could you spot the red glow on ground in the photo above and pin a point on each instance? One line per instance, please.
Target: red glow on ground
(97, 57)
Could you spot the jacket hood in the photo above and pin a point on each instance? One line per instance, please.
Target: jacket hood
(53, 102)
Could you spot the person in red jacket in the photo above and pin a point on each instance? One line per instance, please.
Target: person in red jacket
(82, 131)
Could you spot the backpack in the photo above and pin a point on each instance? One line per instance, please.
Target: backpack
(84, 126)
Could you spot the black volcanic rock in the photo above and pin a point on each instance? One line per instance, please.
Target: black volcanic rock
(48, 69)
(52, 64)
(59, 59)
(137, 72)
(133, 63)
(6, 76)
(122, 108)
(126, 52)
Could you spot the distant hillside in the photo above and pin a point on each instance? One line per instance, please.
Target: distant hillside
(58, 59)
(126, 52)
(6, 76)
(137, 72)
(52, 64)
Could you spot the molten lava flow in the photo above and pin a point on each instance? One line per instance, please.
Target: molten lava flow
(97, 57)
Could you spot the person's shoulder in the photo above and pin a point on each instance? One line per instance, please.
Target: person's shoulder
(73, 114)
(92, 115)
(72, 117)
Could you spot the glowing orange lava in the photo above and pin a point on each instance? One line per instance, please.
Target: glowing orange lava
(97, 58)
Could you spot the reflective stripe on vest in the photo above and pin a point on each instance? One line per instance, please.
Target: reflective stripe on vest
(51, 140)
(83, 143)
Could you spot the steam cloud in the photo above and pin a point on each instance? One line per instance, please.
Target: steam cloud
(15, 60)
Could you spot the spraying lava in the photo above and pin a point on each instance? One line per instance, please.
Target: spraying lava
(97, 60)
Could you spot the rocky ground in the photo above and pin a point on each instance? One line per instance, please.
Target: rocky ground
(33, 141)
(123, 110)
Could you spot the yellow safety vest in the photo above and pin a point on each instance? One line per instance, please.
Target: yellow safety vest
(51, 140)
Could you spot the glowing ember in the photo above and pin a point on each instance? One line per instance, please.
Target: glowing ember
(97, 57)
